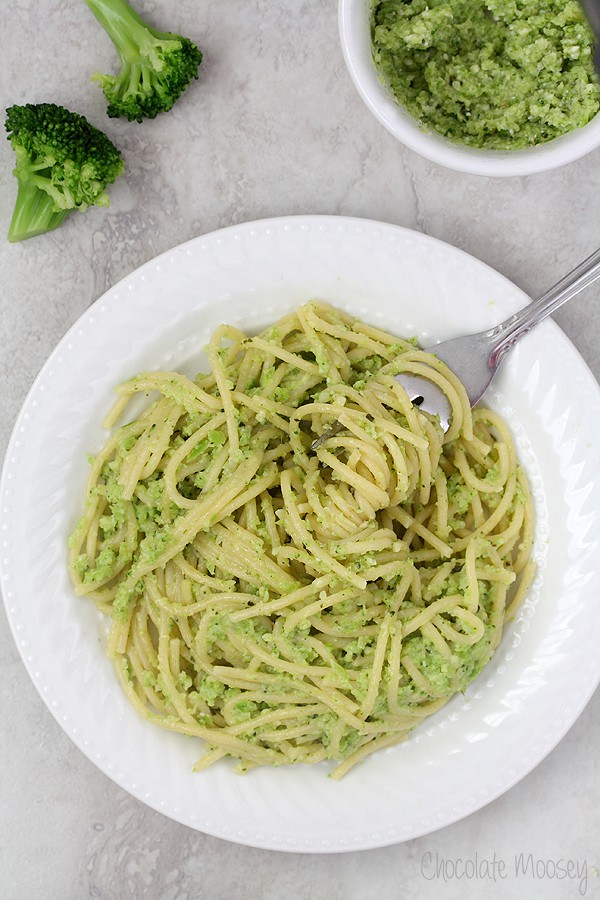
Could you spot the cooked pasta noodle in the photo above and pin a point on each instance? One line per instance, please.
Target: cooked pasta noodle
(293, 606)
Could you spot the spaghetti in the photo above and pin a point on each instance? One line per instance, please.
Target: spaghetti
(294, 606)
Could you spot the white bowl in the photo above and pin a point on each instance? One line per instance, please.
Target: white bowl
(355, 36)
(483, 741)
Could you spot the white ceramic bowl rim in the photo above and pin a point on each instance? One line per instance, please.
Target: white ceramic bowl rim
(354, 18)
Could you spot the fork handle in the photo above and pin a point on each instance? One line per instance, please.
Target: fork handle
(512, 329)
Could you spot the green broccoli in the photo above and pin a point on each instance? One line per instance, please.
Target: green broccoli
(63, 163)
(156, 66)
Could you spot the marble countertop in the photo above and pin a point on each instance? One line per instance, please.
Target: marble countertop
(273, 127)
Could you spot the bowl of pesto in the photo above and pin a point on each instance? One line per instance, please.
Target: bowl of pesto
(487, 87)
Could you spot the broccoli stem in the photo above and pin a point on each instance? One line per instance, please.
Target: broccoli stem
(124, 26)
(34, 213)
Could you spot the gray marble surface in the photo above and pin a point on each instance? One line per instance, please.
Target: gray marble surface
(274, 126)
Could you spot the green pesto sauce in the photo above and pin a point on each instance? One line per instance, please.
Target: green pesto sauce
(492, 74)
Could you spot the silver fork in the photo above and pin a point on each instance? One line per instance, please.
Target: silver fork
(475, 358)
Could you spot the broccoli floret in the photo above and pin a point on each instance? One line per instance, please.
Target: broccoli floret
(63, 163)
(156, 66)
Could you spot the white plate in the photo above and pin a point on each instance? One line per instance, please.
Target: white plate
(160, 317)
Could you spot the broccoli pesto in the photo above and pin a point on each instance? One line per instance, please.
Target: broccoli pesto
(492, 74)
